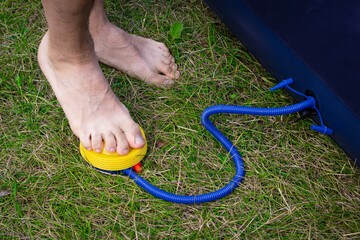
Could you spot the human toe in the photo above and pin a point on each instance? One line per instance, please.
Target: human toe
(97, 142)
(174, 71)
(85, 141)
(177, 74)
(173, 67)
(160, 80)
(122, 146)
(166, 69)
(166, 60)
(162, 46)
(166, 54)
(110, 142)
(134, 136)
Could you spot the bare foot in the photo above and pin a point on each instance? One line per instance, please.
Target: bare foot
(95, 114)
(136, 56)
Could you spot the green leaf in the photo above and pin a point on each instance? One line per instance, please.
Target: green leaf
(175, 30)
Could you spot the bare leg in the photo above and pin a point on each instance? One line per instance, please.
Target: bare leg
(68, 60)
(143, 58)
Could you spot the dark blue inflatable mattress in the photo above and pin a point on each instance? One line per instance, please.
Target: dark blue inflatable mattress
(317, 43)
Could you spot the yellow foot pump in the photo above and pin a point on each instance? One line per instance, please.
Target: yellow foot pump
(112, 162)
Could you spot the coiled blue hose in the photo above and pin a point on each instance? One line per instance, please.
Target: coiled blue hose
(240, 172)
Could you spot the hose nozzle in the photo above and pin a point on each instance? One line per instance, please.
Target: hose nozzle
(322, 129)
(283, 84)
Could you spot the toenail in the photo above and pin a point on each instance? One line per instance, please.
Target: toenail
(166, 81)
(112, 150)
(89, 149)
(125, 151)
(177, 74)
(140, 139)
(98, 150)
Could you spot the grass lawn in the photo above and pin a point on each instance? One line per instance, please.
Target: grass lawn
(298, 183)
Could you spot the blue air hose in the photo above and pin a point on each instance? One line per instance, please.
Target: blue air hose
(240, 172)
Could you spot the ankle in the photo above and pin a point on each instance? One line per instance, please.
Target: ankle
(98, 26)
(77, 53)
(106, 32)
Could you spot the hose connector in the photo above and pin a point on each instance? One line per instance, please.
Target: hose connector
(283, 84)
(312, 100)
(322, 129)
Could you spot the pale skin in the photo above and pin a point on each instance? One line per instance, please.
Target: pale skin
(79, 36)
